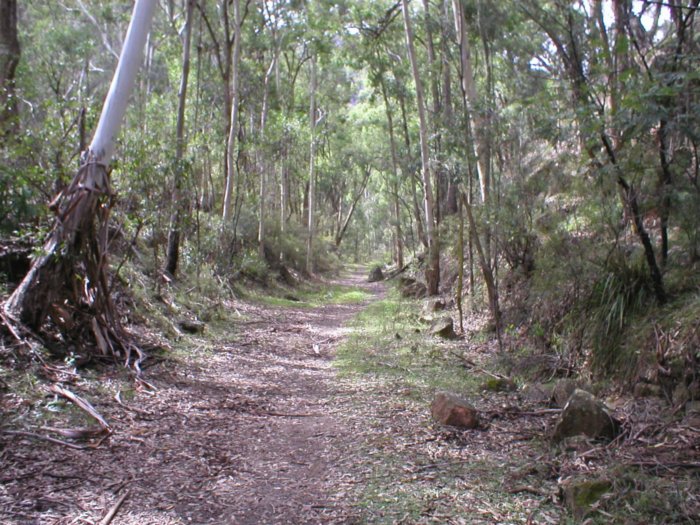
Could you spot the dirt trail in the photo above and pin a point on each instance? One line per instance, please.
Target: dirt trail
(252, 431)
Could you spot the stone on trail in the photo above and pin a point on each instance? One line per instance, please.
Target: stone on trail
(443, 327)
(375, 275)
(584, 414)
(452, 410)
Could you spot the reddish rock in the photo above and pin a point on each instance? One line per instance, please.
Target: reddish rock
(449, 409)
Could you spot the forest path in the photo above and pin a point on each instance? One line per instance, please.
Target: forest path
(252, 428)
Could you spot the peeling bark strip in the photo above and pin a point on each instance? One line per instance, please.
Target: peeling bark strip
(71, 277)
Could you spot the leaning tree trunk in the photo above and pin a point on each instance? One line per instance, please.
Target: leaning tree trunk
(69, 282)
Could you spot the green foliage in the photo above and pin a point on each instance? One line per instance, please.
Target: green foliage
(251, 267)
(621, 293)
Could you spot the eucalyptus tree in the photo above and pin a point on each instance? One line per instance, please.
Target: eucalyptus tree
(230, 164)
(432, 272)
(173, 249)
(73, 267)
(566, 29)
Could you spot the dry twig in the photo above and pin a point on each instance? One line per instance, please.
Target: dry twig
(115, 508)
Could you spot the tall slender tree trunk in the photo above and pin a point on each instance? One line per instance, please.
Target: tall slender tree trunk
(71, 277)
(414, 190)
(9, 58)
(231, 149)
(460, 267)
(263, 165)
(432, 272)
(173, 251)
(471, 101)
(395, 173)
(486, 270)
(312, 169)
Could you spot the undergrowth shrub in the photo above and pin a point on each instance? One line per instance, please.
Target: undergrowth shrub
(622, 292)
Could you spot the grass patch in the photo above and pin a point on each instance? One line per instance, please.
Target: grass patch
(311, 296)
(390, 344)
(421, 473)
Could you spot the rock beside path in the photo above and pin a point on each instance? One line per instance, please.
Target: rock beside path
(452, 410)
(443, 327)
(584, 414)
(409, 287)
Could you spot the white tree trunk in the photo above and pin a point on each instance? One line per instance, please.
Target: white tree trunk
(76, 246)
(470, 98)
(102, 146)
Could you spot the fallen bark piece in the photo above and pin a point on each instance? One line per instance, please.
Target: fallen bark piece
(443, 327)
(81, 403)
(452, 410)
(584, 414)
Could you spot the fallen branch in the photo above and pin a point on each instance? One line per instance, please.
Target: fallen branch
(669, 466)
(78, 433)
(49, 438)
(472, 365)
(113, 511)
(282, 414)
(117, 398)
(81, 403)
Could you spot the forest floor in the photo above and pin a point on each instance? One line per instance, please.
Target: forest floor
(294, 412)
